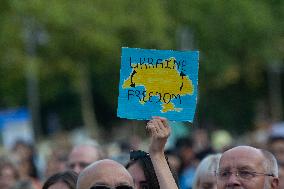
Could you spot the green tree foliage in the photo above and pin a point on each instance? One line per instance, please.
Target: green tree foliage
(236, 39)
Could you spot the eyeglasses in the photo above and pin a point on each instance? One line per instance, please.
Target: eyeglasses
(108, 187)
(242, 174)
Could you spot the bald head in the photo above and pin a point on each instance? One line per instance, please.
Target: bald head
(269, 162)
(104, 172)
(242, 151)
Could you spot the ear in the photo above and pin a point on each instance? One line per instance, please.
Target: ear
(275, 183)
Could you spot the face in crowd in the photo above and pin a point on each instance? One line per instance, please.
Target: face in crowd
(276, 146)
(8, 174)
(246, 167)
(82, 156)
(105, 174)
(205, 177)
(138, 175)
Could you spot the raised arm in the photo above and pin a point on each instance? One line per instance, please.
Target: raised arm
(160, 130)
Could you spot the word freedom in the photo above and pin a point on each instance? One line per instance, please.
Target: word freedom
(143, 96)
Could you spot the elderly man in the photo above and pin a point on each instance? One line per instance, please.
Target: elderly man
(245, 167)
(105, 174)
(83, 155)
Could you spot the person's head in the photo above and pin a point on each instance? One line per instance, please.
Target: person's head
(104, 174)
(56, 161)
(24, 149)
(276, 141)
(8, 173)
(25, 153)
(185, 150)
(141, 169)
(246, 167)
(81, 156)
(205, 173)
(276, 146)
(61, 180)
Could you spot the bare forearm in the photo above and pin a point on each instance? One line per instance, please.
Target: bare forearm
(163, 173)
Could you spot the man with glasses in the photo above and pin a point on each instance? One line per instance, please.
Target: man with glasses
(245, 167)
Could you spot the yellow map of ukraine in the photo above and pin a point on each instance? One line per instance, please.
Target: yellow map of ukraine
(159, 81)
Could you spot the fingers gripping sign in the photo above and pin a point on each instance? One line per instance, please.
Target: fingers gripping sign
(159, 130)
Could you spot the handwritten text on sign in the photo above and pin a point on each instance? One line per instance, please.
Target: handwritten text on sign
(158, 82)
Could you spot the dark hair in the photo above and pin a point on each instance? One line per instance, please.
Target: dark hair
(32, 172)
(144, 160)
(184, 142)
(67, 177)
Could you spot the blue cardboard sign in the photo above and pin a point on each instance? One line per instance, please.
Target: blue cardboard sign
(158, 83)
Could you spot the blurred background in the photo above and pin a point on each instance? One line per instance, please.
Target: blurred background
(60, 63)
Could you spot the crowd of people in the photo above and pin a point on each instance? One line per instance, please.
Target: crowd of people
(190, 164)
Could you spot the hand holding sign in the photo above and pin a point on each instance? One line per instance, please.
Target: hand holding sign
(159, 130)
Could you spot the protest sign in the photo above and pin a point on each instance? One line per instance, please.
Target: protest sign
(158, 83)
